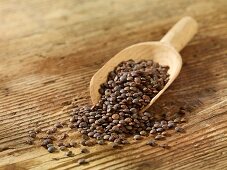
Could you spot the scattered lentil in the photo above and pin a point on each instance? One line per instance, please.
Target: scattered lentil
(84, 150)
(137, 137)
(101, 142)
(82, 161)
(69, 154)
(151, 143)
(51, 149)
(30, 141)
(72, 143)
(158, 137)
(179, 129)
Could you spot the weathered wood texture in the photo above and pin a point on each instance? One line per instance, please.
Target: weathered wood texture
(50, 49)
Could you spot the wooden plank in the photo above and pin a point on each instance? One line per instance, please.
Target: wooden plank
(49, 50)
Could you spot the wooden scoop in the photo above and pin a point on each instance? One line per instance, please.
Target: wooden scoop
(164, 52)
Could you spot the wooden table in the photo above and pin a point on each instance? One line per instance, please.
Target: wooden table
(50, 49)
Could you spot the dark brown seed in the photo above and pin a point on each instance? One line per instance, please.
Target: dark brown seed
(83, 142)
(32, 135)
(101, 142)
(163, 122)
(152, 131)
(69, 154)
(151, 143)
(90, 134)
(158, 137)
(129, 127)
(89, 143)
(145, 118)
(143, 133)
(171, 125)
(51, 149)
(84, 150)
(45, 142)
(82, 161)
(117, 141)
(165, 127)
(60, 143)
(179, 129)
(30, 141)
(157, 125)
(159, 129)
(128, 120)
(137, 80)
(137, 137)
(115, 116)
(164, 134)
(106, 137)
(72, 143)
(49, 145)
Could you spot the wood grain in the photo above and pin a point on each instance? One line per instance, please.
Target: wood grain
(49, 51)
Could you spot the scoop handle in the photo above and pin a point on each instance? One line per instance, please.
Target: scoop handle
(181, 33)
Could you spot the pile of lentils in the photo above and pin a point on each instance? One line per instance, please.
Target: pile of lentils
(129, 88)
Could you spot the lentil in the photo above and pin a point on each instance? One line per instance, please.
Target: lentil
(84, 150)
(69, 154)
(51, 149)
(179, 129)
(82, 161)
(151, 143)
(137, 137)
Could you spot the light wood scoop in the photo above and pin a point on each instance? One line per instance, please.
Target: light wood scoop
(164, 52)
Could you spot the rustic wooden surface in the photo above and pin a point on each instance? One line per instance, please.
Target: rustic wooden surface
(50, 49)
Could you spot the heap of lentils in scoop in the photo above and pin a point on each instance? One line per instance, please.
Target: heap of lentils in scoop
(129, 88)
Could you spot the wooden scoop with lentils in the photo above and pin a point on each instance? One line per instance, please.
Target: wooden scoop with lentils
(162, 56)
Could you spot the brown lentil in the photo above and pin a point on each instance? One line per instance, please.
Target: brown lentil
(158, 137)
(137, 137)
(69, 154)
(30, 141)
(179, 129)
(82, 161)
(151, 143)
(84, 150)
(51, 149)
